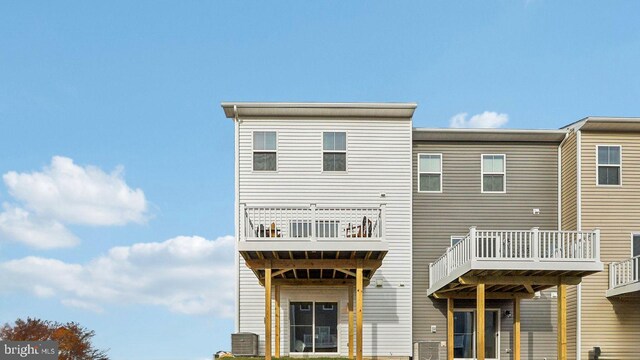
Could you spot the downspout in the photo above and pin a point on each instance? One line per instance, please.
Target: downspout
(566, 136)
(579, 228)
(236, 219)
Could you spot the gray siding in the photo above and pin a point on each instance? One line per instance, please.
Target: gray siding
(531, 183)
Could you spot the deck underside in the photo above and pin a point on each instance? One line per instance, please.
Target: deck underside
(508, 283)
(313, 267)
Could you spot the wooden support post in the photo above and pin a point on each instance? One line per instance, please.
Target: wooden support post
(562, 321)
(359, 289)
(450, 344)
(277, 343)
(480, 331)
(267, 313)
(350, 309)
(516, 329)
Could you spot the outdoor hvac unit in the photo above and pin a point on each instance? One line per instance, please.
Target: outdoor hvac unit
(244, 344)
(426, 350)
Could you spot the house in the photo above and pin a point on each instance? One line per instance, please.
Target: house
(359, 236)
(324, 221)
(601, 182)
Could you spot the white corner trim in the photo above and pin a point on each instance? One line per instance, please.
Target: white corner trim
(579, 228)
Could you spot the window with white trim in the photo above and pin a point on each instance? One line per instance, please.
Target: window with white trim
(265, 151)
(430, 172)
(635, 246)
(494, 173)
(609, 164)
(334, 151)
(456, 239)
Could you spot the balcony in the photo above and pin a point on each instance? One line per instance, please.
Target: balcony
(623, 277)
(312, 228)
(312, 245)
(516, 261)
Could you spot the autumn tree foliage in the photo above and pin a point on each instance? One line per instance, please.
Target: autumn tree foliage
(74, 341)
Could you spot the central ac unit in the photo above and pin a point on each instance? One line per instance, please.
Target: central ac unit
(426, 350)
(244, 344)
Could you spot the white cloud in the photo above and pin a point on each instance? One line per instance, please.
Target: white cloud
(72, 194)
(17, 224)
(186, 274)
(487, 119)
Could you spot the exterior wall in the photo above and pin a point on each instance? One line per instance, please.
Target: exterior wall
(569, 221)
(531, 183)
(378, 161)
(613, 324)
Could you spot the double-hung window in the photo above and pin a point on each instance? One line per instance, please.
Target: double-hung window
(265, 151)
(494, 175)
(334, 151)
(609, 165)
(430, 173)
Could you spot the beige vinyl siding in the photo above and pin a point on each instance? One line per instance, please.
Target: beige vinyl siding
(613, 324)
(531, 183)
(569, 221)
(378, 162)
(569, 183)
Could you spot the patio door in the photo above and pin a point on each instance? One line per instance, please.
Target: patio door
(464, 334)
(313, 327)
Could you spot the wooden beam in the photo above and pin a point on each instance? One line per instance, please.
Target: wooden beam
(350, 273)
(562, 321)
(529, 288)
(519, 280)
(488, 295)
(314, 264)
(450, 343)
(277, 298)
(350, 309)
(279, 272)
(314, 282)
(267, 314)
(359, 290)
(480, 330)
(516, 329)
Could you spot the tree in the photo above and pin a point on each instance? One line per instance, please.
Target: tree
(74, 341)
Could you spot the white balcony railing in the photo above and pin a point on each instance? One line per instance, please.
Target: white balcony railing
(517, 245)
(624, 272)
(311, 223)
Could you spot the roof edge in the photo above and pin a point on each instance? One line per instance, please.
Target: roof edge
(314, 109)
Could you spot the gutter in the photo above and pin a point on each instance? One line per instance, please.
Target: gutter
(236, 220)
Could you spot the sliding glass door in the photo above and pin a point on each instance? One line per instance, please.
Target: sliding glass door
(464, 334)
(313, 327)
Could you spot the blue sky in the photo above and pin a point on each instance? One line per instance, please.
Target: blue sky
(117, 161)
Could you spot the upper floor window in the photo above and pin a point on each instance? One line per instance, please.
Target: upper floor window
(265, 151)
(609, 164)
(430, 172)
(494, 173)
(334, 151)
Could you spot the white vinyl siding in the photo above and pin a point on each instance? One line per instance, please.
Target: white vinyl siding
(494, 174)
(430, 173)
(378, 161)
(609, 159)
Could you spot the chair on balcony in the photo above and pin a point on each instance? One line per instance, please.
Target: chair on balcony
(359, 231)
(271, 231)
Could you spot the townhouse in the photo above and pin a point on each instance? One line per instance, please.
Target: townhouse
(359, 236)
